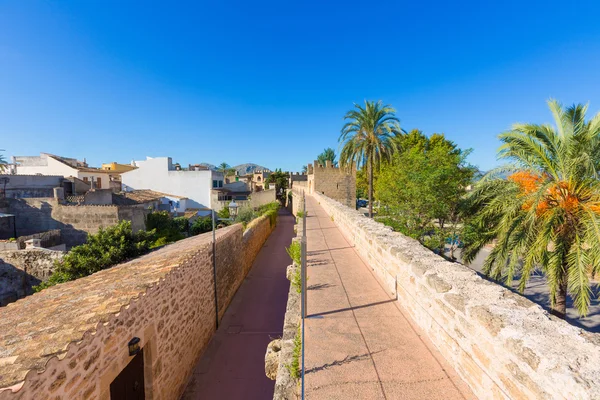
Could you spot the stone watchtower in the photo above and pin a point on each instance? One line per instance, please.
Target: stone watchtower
(333, 182)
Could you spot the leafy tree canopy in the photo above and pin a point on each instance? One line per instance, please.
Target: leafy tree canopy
(327, 155)
(424, 182)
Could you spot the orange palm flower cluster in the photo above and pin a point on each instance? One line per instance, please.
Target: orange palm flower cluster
(562, 194)
(527, 182)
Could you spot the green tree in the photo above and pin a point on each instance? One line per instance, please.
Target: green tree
(102, 250)
(327, 155)
(280, 179)
(3, 164)
(425, 182)
(167, 229)
(201, 225)
(546, 214)
(304, 169)
(223, 167)
(368, 138)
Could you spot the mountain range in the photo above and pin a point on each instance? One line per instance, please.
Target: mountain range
(242, 169)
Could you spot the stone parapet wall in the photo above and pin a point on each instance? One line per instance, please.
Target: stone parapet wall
(75, 344)
(503, 345)
(20, 270)
(286, 386)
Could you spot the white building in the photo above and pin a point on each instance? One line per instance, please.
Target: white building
(49, 164)
(161, 175)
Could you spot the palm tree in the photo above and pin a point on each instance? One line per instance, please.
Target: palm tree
(327, 155)
(2, 163)
(546, 214)
(223, 167)
(368, 138)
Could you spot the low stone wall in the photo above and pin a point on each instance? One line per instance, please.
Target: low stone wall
(503, 345)
(258, 199)
(20, 270)
(74, 221)
(48, 239)
(75, 343)
(286, 386)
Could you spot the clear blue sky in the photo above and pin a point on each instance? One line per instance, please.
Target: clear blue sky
(269, 82)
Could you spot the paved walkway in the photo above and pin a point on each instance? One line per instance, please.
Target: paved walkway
(233, 366)
(359, 344)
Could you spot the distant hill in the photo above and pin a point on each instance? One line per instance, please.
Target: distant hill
(249, 168)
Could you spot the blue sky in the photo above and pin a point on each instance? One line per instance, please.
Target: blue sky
(269, 82)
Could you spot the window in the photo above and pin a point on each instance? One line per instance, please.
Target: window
(224, 197)
(85, 179)
(258, 179)
(220, 183)
(215, 183)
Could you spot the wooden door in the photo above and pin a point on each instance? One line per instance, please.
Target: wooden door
(129, 384)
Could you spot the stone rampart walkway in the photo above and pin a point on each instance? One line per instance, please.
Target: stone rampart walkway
(359, 344)
(233, 365)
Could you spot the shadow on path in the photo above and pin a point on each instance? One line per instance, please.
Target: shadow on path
(351, 308)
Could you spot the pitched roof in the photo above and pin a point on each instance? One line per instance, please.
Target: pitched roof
(140, 197)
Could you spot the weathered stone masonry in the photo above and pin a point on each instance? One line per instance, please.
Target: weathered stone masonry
(503, 345)
(333, 182)
(75, 221)
(75, 344)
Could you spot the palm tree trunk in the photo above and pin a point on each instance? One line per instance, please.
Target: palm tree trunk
(560, 305)
(370, 167)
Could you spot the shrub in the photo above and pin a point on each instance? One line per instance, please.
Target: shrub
(182, 224)
(294, 367)
(201, 225)
(164, 225)
(245, 215)
(224, 213)
(294, 251)
(270, 210)
(104, 249)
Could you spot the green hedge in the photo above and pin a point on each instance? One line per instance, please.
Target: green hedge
(104, 249)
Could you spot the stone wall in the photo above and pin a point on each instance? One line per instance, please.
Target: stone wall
(74, 221)
(19, 186)
(258, 199)
(75, 344)
(20, 270)
(136, 214)
(333, 182)
(503, 345)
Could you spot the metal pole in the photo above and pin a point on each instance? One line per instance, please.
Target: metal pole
(303, 299)
(303, 279)
(215, 268)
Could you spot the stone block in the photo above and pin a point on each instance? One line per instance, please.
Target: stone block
(438, 284)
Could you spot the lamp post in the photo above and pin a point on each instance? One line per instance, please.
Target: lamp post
(233, 209)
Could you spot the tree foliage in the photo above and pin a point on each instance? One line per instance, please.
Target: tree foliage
(424, 183)
(280, 179)
(3, 164)
(368, 138)
(327, 155)
(166, 228)
(104, 249)
(546, 214)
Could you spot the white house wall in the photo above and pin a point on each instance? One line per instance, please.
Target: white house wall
(155, 174)
(52, 167)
